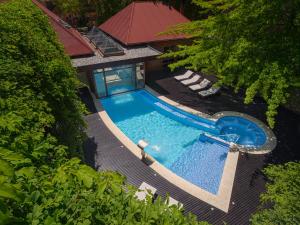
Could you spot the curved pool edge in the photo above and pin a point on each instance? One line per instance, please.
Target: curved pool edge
(267, 147)
(271, 140)
(178, 105)
(220, 201)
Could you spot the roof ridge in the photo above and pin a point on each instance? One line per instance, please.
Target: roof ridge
(56, 19)
(141, 21)
(77, 35)
(46, 10)
(130, 22)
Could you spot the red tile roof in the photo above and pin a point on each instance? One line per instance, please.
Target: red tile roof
(141, 22)
(73, 42)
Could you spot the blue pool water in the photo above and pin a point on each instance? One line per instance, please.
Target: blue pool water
(241, 131)
(176, 138)
(119, 88)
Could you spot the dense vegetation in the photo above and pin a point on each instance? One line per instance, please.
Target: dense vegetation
(77, 12)
(41, 130)
(186, 7)
(103, 9)
(283, 193)
(253, 45)
(247, 44)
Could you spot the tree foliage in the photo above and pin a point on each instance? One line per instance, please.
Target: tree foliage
(186, 7)
(107, 8)
(283, 193)
(68, 7)
(247, 44)
(41, 130)
(33, 67)
(104, 9)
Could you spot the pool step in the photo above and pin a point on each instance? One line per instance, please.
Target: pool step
(188, 119)
(206, 138)
(206, 127)
(202, 164)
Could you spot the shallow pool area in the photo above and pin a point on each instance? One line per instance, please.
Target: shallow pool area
(180, 141)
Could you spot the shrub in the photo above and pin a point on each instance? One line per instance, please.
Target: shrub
(283, 195)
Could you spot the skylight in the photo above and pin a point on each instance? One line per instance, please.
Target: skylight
(106, 45)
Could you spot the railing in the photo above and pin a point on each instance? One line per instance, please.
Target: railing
(215, 138)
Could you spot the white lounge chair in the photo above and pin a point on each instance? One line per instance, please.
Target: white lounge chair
(203, 84)
(186, 75)
(145, 190)
(173, 201)
(191, 80)
(209, 92)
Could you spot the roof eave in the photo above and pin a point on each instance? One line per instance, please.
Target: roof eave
(156, 41)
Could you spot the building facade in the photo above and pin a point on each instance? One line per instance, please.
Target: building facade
(116, 56)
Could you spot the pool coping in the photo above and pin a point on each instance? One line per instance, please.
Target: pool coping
(220, 201)
(271, 140)
(267, 147)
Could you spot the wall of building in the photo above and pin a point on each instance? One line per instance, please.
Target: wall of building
(119, 76)
(152, 65)
(163, 46)
(86, 78)
(83, 78)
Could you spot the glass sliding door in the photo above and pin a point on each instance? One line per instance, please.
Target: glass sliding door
(100, 83)
(120, 79)
(115, 80)
(140, 75)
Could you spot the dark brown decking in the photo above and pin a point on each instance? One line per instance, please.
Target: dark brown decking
(287, 129)
(104, 152)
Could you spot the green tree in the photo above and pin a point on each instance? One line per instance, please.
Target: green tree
(180, 4)
(107, 8)
(104, 9)
(31, 59)
(41, 129)
(67, 7)
(283, 194)
(247, 44)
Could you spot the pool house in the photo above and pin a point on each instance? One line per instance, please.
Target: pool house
(117, 56)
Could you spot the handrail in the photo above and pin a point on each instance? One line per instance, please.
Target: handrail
(215, 138)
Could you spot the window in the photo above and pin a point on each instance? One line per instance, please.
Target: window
(115, 80)
(106, 45)
(100, 83)
(140, 75)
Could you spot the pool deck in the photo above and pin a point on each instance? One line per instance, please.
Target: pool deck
(105, 152)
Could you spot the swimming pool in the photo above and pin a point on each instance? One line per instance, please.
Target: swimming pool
(180, 141)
